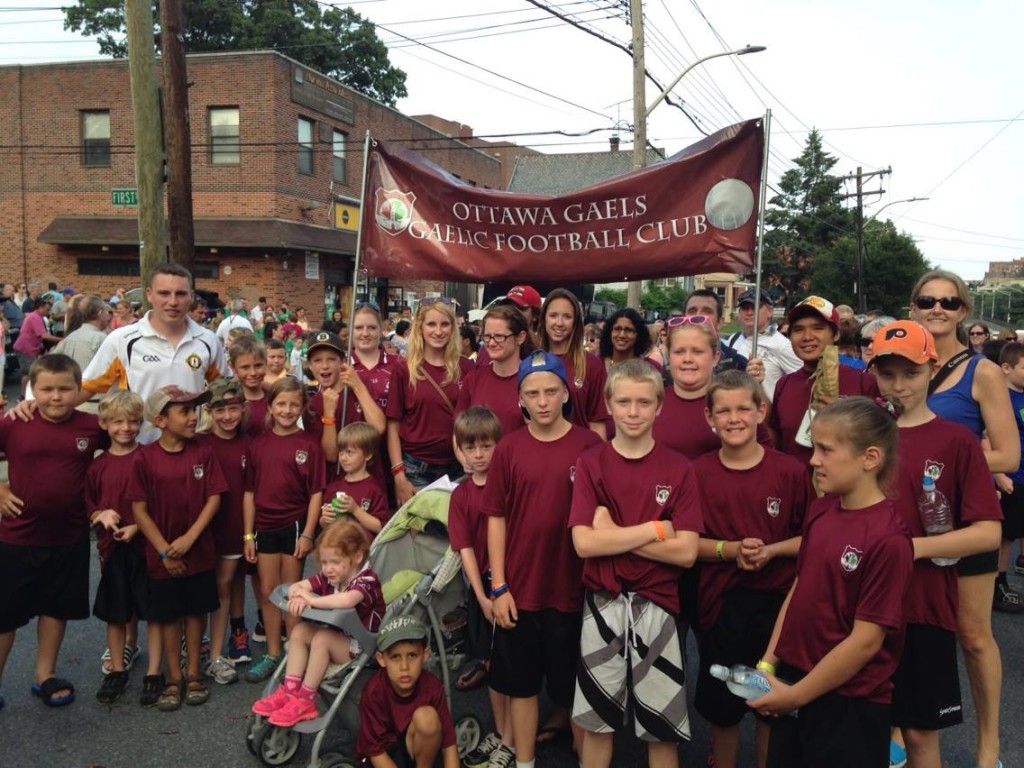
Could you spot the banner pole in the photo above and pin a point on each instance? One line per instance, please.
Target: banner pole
(355, 271)
(760, 232)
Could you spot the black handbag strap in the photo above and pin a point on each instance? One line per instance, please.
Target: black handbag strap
(948, 368)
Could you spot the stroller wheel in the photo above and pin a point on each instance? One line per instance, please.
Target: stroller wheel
(275, 745)
(334, 760)
(254, 727)
(467, 734)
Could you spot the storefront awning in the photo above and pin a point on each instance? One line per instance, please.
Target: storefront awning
(209, 233)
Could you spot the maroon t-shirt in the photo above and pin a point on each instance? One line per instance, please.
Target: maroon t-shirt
(47, 463)
(467, 523)
(853, 564)
(367, 583)
(530, 484)
(106, 487)
(659, 486)
(283, 472)
(499, 393)
(426, 419)
(176, 487)
(378, 378)
(951, 454)
(384, 715)
(257, 410)
(368, 495)
(793, 395)
(228, 526)
(682, 427)
(765, 502)
(587, 396)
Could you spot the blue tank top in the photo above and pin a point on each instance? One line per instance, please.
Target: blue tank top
(956, 403)
(1017, 402)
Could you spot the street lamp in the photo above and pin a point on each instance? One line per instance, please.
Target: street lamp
(896, 202)
(862, 248)
(640, 112)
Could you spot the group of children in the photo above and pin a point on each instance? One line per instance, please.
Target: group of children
(574, 550)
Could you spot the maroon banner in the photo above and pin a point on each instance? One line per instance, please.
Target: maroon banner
(694, 213)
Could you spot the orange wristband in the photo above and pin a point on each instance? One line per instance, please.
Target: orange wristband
(327, 421)
(659, 530)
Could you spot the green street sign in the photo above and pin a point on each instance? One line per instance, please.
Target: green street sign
(124, 197)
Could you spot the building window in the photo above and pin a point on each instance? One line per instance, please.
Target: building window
(305, 149)
(129, 267)
(225, 148)
(96, 138)
(338, 139)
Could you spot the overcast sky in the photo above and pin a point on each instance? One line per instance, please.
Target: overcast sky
(930, 89)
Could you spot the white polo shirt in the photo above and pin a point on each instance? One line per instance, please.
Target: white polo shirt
(138, 358)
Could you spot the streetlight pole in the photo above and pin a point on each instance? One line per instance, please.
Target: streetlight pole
(641, 112)
(862, 247)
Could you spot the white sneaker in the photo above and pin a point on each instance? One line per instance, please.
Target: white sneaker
(502, 757)
(221, 671)
(478, 757)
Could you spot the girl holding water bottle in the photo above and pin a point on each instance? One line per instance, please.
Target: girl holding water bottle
(926, 695)
(838, 638)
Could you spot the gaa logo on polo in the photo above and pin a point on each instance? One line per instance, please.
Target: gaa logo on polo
(850, 558)
(300, 457)
(393, 210)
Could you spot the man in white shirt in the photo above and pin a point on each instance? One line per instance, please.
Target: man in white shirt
(234, 320)
(257, 313)
(775, 356)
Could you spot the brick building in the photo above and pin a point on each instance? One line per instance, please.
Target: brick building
(276, 169)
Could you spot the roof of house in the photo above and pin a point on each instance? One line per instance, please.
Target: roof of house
(558, 174)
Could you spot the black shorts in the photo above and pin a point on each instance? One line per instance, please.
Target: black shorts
(926, 695)
(399, 753)
(1013, 513)
(173, 599)
(739, 636)
(543, 645)
(833, 731)
(44, 581)
(124, 587)
(479, 632)
(978, 565)
(278, 542)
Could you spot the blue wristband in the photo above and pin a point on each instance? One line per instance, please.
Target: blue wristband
(163, 555)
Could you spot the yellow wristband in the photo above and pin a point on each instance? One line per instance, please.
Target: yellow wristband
(766, 666)
(720, 549)
(248, 537)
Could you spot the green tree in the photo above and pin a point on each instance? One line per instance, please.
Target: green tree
(616, 296)
(333, 40)
(803, 222)
(664, 299)
(892, 264)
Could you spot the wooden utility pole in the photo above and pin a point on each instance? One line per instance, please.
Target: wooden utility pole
(860, 176)
(636, 20)
(149, 154)
(181, 235)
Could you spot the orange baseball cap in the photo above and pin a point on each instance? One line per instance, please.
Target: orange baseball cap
(904, 338)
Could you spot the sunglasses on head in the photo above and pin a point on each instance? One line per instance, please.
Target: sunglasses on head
(368, 305)
(948, 303)
(431, 300)
(701, 321)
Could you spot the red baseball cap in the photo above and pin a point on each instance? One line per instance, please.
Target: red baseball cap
(524, 296)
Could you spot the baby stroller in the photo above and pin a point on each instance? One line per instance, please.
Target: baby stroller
(420, 576)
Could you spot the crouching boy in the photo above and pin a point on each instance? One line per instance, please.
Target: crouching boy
(404, 717)
(635, 521)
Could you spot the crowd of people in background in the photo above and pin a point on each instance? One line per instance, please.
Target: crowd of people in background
(623, 482)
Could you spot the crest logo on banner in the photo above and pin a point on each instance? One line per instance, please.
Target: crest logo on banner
(393, 210)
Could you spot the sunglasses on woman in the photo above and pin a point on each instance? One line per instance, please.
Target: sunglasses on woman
(431, 300)
(369, 305)
(701, 321)
(979, 334)
(948, 303)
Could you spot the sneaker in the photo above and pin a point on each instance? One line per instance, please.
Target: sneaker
(152, 687)
(1018, 567)
(239, 651)
(263, 668)
(1007, 599)
(479, 756)
(502, 757)
(297, 709)
(270, 704)
(897, 755)
(259, 633)
(204, 652)
(112, 688)
(221, 671)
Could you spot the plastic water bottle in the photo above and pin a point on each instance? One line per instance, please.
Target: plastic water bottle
(935, 516)
(743, 681)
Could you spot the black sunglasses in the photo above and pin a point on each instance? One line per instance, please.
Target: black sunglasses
(863, 342)
(948, 303)
(368, 305)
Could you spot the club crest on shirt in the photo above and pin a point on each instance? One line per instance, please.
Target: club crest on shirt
(300, 457)
(578, 382)
(850, 558)
(933, 469)
(572, 474)
(243, 461)
(365, 504)
(197, 471)
(194, 361)
(82, 444)
(773, 506)
(661, 493)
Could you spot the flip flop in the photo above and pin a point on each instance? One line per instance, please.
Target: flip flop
(472, 677)
(47, 690)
